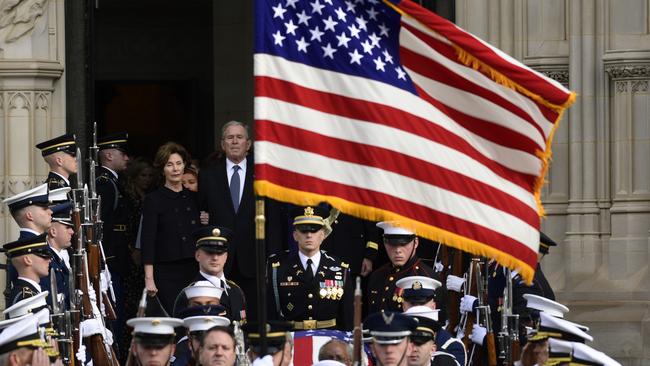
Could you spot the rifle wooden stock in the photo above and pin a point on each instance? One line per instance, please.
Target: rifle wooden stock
(358, 333)
(515, 348)
(94, 269)
(130, 360)
(455, 258)
(491, 349)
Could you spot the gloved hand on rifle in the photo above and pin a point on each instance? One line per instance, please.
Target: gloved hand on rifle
(478, 334)
(93, 326)
(468, 303)
(455, 283)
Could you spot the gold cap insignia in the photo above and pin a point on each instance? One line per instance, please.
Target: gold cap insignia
(417, 285)
(216, 232)
(155, 322)
(309, 211)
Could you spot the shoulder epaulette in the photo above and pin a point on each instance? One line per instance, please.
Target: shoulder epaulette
(372, 245)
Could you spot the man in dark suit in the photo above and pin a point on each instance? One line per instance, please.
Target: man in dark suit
(60, 155)
(226, 193)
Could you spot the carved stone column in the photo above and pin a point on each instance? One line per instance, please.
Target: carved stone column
(32, 96)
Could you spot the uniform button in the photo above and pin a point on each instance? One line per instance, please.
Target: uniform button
(289, 294)
(183, 238)
(188, 208)
(310, 296)
(386, 288)
(390, 278)
(310, 307)
(310, 318)
(417, 267)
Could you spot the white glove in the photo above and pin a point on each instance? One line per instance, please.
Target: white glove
(103, 281)
(460, 334)
(467, 303)
(478, 334)
(438, 267)
(81, 354)
(455, 283)
(93, 326)
(91, 293)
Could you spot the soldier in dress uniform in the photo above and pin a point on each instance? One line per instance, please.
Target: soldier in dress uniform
(418, 293)
(59, 237)
(390, 333)
(21, 343)
(425, 349)
(211, 254)
(310, 288)
(278, 346)
(60, 155)
(31, 211)
(113, 159)
(401, 245)
(31, 258)
(197, 320)
(154, 339)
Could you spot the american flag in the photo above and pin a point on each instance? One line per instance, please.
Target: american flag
(390, 112)
(307, 345)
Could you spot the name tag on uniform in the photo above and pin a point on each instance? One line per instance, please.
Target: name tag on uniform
(289, 284)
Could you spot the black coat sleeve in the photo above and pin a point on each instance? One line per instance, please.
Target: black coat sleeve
(346, 314)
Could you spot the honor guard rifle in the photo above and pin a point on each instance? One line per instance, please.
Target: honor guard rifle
(483, 315)
(357, 333)
(82, 305)
(60, 323)
(509, 348)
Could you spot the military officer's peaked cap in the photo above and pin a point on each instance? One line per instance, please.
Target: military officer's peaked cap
(387, 327)
(61, 213)
(59, 195)
(276, 331)
(23, 333)
(309, 218)
(203, 289)
(213, 239)
(114, 141)
(548, 306)
(426, 329)
(199, 324)
(35, 196)
(395, 233)
(328, 363)
(35, 245)
(65, 143)
(418, 287)
(27, 306)
(585, 355)
(545, 243)
(423, 311)
(552, 327)
(559, 351)
(154, 332)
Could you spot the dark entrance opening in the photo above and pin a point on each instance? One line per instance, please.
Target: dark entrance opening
(153, 73)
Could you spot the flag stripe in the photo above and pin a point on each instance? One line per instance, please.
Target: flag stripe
(340, 113)
(496, 59)
(400, 206)
(381, 158)
(389, 138)
(429, 62)
(383, 94)
(428, 44)
(408, 189)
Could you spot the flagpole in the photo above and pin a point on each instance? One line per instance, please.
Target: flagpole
(260, 220)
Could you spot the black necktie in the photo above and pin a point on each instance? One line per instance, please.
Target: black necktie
(234, 187)
(308, 271)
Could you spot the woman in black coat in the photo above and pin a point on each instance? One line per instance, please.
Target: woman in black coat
(169, 216)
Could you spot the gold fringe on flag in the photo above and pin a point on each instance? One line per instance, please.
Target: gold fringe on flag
(284, 194)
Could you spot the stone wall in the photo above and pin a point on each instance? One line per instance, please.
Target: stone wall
(32, 96)
(597, 198)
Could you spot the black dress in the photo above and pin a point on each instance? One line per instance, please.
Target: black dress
(168, 219)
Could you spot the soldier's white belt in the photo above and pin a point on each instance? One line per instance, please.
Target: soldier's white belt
(314, 324)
